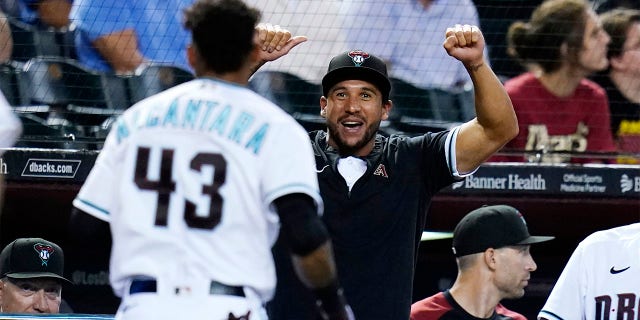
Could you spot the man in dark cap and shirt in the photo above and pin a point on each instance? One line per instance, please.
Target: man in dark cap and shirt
(377, 189)
(31, 276)
(491, 245)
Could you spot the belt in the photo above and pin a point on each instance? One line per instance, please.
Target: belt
(216, 288)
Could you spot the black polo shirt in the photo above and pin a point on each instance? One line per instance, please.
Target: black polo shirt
(375, 228)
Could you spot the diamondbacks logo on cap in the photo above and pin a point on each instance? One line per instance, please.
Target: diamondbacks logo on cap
(44, 252)
(358, 57)
(522, 217)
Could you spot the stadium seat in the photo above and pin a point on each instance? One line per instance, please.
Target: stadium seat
(9, 82)
(116, 91)
(67, 41)
(36, 133)
(410, 101)
(417, 110)
(298, 97)
(10, 7)
(290, 92)
(30, 42)
(60, 82)
(76, 97)
(155, 78)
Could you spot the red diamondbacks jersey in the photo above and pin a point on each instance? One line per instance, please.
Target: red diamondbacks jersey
(186, 179)
(601, 280)
(576, 123)
(442, 306)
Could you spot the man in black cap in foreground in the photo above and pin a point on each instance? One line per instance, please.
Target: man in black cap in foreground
(31, 276)
(376, 189)
(491, 245)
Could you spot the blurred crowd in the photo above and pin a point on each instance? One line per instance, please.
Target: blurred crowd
(572, 69)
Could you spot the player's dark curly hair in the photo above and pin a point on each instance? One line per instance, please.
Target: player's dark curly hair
(222, 31)
(552, 23)
(617, 23)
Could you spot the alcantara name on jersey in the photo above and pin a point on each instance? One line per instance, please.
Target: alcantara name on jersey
(201, 115)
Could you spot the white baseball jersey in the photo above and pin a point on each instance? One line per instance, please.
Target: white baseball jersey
(10, 126)
(601, 281)
(186, 180)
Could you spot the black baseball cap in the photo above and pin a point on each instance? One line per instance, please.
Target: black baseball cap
(26, 258)
(492, 227)
(357, 65)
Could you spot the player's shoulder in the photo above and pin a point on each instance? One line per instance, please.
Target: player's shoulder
(163, 98)
(438, 300)
(591, 87)
(521, 82)
(417, 142)
(276, 116)
(243, 97)
(431, 307)
(630, 232)
(240, 98)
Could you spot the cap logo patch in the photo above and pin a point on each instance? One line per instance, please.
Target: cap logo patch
(44, 252)
(358, 57)
(522, 217)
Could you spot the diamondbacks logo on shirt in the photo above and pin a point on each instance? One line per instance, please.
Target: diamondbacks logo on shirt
(44, 252)
(381, 171)
(539, 139)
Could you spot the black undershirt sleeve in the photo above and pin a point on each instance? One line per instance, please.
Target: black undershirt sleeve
(301, 226)
(83, 226)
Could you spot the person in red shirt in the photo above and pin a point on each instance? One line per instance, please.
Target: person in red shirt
(491, 245)
(560, 112)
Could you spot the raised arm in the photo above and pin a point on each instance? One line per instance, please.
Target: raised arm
(54, 13)
(10, 125)
(495, 123)
(120, 49)
(273, 42)
(6, 41)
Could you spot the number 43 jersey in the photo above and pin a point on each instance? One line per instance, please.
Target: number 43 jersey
(186, 179)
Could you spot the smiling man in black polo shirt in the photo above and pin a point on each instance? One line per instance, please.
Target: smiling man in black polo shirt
(377, 189)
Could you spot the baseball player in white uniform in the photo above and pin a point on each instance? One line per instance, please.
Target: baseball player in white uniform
(10, 126)
(195, 182)
(601, 281)
(10, 129)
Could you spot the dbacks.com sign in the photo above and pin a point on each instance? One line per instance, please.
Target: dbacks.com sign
(51, 168)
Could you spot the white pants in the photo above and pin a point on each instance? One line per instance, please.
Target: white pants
(171, 306)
